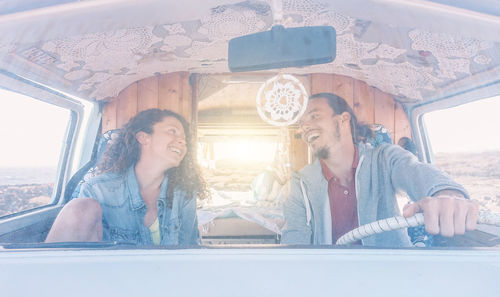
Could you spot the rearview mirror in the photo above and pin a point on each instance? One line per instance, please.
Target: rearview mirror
(282, 47)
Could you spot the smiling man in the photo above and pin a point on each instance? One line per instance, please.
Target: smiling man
(351, 184)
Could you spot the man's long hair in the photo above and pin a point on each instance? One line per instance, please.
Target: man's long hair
(360, 132)
(124, 152)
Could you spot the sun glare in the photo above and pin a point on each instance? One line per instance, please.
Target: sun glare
(239, 151)
(245, 150)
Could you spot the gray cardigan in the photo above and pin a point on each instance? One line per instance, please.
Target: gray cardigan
(381, 172)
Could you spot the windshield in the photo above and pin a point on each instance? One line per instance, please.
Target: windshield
(304, 136)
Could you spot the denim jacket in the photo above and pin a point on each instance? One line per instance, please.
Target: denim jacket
(381, 172)
(123, 211)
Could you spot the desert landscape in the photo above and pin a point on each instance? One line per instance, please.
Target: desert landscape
(479, 173)
(16, 198)
(25, 188)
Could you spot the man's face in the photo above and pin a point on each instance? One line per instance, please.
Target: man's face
(320, 127)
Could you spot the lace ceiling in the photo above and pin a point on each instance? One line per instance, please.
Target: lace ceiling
(409, 63)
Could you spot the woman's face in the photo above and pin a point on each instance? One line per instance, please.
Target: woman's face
(167, 144)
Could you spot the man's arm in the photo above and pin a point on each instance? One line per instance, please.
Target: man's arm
(296, 230)
(447, 212)
(444, 203)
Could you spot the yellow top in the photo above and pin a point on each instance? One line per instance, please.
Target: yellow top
(155, 232)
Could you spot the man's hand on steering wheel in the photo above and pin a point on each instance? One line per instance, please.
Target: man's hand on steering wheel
(448, 212)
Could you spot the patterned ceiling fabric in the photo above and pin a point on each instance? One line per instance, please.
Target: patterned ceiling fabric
(410, 63)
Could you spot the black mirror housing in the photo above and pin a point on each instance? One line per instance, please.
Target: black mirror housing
(282, 47)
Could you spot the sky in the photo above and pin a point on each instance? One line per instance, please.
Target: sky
(472, 127)
(31, 131)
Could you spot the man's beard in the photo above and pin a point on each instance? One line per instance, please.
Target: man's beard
(324, 152)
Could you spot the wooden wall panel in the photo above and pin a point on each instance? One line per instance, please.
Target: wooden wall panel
(363, 106)
(321, 83)
(126, 105)
(343, 86)
(170, 91)
(109, 115)
(147, 93)
(384, 110)
(401, 124)
(330, 83)
(186, 104)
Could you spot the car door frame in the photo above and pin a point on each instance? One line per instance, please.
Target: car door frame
(32, 225)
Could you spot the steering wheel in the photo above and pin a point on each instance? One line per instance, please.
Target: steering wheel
(400, 222)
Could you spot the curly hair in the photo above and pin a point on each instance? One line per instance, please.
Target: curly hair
(124, 151)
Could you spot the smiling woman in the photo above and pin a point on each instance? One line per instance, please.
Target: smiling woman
(149, 177)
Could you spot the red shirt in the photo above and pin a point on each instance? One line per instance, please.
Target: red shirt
(343, 203)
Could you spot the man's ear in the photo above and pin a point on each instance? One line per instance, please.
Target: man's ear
(142, 137)
(346, 117)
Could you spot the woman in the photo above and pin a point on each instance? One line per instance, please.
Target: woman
(147, 191)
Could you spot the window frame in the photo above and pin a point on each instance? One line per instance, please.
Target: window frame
(36, 91)
(416, 111)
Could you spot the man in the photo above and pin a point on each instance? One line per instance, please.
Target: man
(352, 184)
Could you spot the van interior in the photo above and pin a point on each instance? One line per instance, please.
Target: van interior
(66, 81)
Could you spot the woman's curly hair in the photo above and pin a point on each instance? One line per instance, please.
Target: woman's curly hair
(124, 151)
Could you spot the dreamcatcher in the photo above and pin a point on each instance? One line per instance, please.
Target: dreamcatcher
(281, 101)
